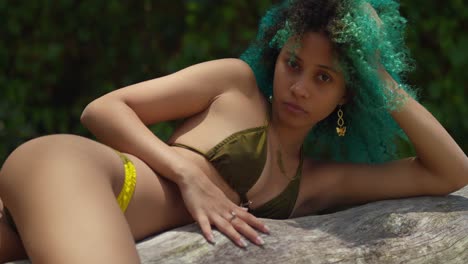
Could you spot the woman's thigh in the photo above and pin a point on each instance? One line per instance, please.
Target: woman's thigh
(156, 205)
(58, 189)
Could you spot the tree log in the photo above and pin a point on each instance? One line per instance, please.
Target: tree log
(412, 230)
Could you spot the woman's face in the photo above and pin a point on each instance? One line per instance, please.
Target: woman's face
(308, 84)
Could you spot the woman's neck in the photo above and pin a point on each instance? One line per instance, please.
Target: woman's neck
(290, 139)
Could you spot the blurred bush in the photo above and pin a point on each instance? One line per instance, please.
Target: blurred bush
(57, 56)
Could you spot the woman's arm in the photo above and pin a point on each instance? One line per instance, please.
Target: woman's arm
(437, 152)
(119, 119)
(439, 168)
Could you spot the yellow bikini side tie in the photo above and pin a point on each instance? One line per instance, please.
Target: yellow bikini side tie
(128, 188)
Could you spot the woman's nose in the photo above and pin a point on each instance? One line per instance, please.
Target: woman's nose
(299, 89)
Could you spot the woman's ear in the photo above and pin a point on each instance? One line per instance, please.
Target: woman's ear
(343, 100)
(347, 97)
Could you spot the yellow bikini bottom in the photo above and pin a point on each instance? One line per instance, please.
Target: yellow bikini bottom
(125, 195)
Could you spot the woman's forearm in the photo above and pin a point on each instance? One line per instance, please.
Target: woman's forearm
(435, 148)
(115, 124)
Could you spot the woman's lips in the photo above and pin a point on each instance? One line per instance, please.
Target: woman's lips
(295, 108)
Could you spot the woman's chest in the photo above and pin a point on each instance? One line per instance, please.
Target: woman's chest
(225, 140)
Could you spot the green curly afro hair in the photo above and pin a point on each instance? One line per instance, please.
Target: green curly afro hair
(357, 38)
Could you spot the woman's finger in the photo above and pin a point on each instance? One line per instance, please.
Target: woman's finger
(205, 226)
(246, 230)
(226, 228)
(253, 221)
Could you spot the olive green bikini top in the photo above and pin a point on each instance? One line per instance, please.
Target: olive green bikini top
(240, 159)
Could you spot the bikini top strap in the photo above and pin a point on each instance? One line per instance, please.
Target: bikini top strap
(188, 147)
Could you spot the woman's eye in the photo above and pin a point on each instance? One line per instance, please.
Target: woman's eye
(293, 64)
(324, 78)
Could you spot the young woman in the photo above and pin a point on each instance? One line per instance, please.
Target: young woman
(328, 73)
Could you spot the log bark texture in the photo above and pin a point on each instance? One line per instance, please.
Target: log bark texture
(412, 230)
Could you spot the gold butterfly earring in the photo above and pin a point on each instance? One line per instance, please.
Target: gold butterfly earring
(340, 129)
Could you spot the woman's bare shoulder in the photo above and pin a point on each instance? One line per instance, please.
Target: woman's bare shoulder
(239, 72)
(244, 92)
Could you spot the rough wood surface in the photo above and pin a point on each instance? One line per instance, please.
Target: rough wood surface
(415, 230)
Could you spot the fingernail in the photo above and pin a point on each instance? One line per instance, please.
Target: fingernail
(242, 243)
(267, 229)
(245, 208)
(260, 241)
(211, 238)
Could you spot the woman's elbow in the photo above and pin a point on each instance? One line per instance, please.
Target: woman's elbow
(88, 113)
(93, 111)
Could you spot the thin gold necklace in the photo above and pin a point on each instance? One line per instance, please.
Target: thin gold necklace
(280, 163)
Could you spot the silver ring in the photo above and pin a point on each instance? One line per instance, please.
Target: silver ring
(233, 216)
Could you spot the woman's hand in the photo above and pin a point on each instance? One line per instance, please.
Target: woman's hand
(208, 206)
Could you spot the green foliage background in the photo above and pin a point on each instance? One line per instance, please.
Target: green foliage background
(57, 56)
